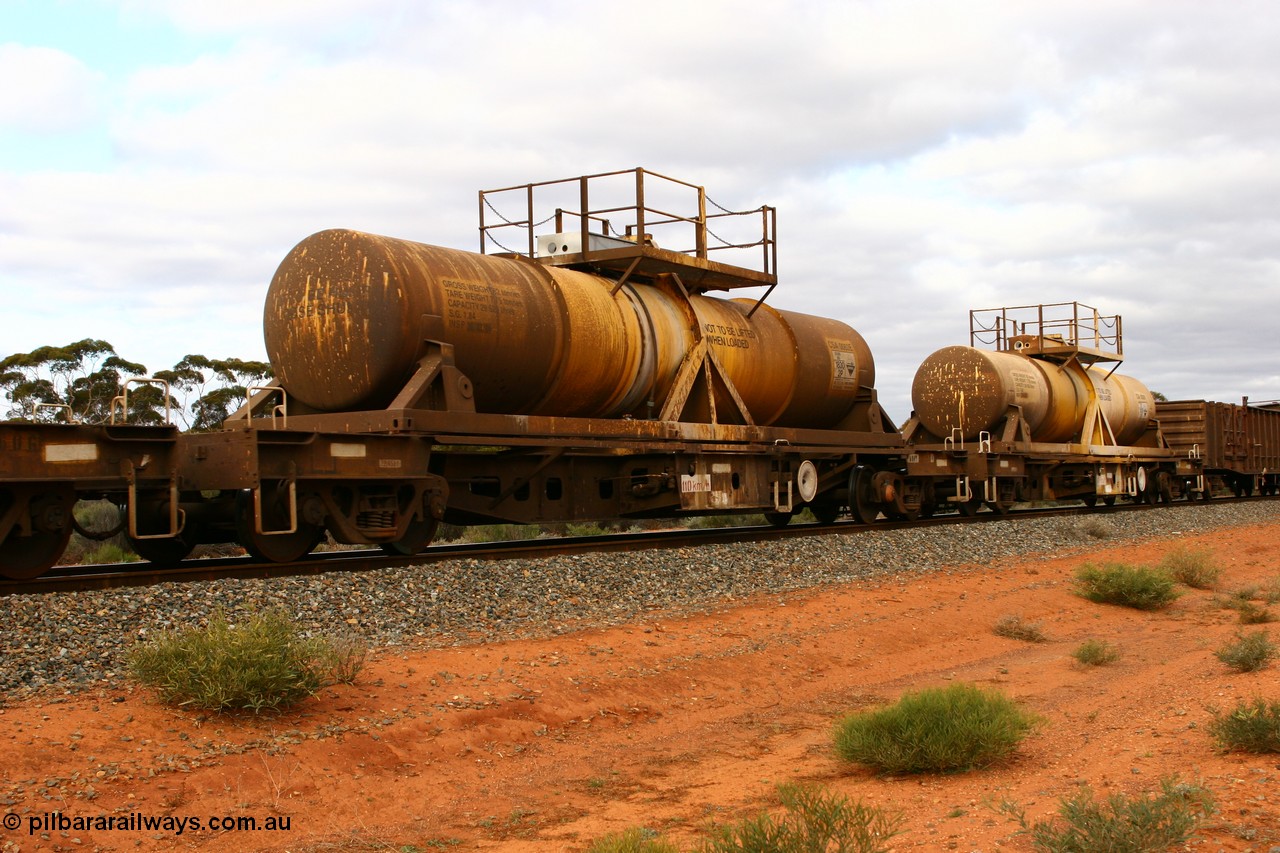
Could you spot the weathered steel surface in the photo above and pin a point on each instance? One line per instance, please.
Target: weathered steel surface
(348, 313)
(622, 435)
(1227, 436)
(93, 456)
(46, 468)
(973, 390)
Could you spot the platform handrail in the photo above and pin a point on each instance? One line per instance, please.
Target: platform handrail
(71, 418)
(121, 402)
(281, 408)
(641, 214)
(1049, 326)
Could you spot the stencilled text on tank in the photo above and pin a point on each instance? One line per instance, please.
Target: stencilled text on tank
(321, 305)
(1025, 386)
(731, 337)
(474, 307)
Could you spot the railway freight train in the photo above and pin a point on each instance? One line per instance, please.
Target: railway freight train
(588, 375)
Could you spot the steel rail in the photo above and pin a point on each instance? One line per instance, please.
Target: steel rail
(117, 575)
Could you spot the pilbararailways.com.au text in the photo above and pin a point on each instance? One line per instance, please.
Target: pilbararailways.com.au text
(139, 822)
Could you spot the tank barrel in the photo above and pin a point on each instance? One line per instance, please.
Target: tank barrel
(348, 314)
(973, 390)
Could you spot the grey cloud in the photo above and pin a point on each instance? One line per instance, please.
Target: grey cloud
(926, 158)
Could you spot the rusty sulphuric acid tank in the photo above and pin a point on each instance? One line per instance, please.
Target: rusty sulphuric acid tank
(972, 389)
(347, 315)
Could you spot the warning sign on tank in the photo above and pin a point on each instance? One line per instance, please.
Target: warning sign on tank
(844, 370)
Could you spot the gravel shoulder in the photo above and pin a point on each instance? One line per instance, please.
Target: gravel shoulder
(70, 641)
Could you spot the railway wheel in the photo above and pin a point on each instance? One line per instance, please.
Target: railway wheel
(1142, 493)
(1090, 501)
(417, 537)
(1163, 492)
(274, 547)
(825, 513)
(778, 519)
(26, 557)
(863, 505)
(161, 552)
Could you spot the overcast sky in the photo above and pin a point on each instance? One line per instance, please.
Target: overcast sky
(158, 158)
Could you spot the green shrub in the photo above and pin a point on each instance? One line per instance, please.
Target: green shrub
(1268, 593)
(1271, 595)
(1193, 567)
(1016, 628)
(814, 822)
(1244, 593)
(1249, 652)
(1254, 614)
(1131, 586)
(476, 534)
(1143, 824)
(635, 840)
(262, 663)
(341, 658)
(1096, 653)
(710, 522)
(500, 532)
(1249, 727)
(102, 553)
(1244, 602)
(959, 727)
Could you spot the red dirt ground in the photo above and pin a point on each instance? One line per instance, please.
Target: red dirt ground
(678, 721)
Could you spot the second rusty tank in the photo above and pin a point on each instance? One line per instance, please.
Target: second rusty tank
(972, 390)
(348, 314)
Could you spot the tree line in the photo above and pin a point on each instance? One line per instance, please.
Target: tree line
(85, 378)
